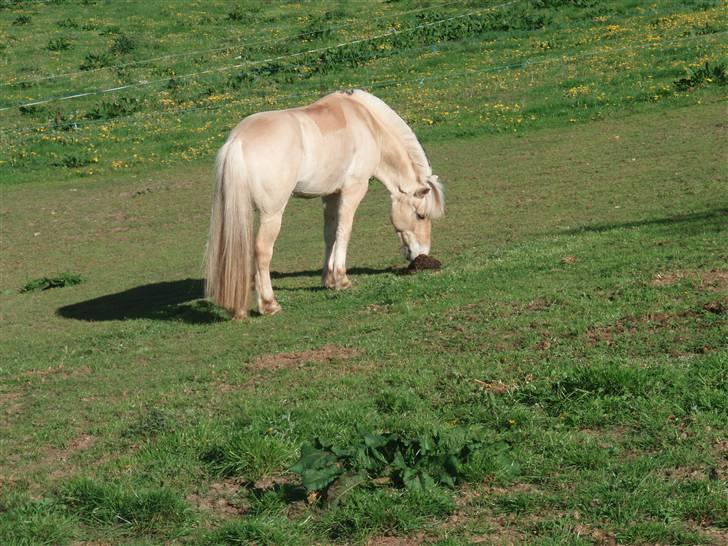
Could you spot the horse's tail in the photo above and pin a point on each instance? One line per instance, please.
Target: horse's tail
(229, 256)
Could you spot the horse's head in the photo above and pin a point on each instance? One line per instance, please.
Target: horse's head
(412, 214)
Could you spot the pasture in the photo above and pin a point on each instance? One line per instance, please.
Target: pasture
(562, 380)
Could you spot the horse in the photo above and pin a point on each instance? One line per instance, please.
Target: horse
(329, 149)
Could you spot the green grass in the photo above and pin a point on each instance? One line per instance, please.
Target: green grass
(576, 334)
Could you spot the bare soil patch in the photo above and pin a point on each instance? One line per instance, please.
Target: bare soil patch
(60, 371)
(59, 458)
(718, 306)
(597, 536)
(502, 532)
(11, 405)
(715, 534)
(326, 354)
(669, 278)
(409, 540)
(222, 499)
(715, 279)
(650, 323)
(496, 387)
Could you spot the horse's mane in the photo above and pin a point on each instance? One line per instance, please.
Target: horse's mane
(398, 128)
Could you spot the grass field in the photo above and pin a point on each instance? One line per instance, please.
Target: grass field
(562, 380)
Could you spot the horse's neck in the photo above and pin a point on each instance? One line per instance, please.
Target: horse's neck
(395, 168)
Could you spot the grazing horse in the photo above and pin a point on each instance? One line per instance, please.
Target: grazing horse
(329, 149)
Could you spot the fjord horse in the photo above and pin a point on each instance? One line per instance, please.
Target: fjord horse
(329, 149)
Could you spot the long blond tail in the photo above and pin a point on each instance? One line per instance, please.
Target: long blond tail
(229, 256)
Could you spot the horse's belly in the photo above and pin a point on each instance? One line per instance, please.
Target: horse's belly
(316, 187)
(324, 170)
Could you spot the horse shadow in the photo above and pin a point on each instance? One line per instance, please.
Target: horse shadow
(170, 300)
(316, 273)
(180, 300)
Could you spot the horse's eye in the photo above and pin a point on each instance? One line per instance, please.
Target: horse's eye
(420, 216)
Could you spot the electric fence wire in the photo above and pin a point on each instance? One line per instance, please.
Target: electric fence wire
(222, 48)
(145, 83)
(564, 58)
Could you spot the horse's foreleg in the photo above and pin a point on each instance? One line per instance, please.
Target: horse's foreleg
(348, 203)
(331, 221)
(270, 226)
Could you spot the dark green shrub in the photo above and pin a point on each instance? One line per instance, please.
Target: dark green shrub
(122, 45)
(58, 44)
(121, 106)
(46, 283)
(67, 23)
(708, 73)
(21, 20)
(73, 161)
(93, 61)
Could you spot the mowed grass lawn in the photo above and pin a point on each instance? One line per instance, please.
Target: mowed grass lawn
(570, 357)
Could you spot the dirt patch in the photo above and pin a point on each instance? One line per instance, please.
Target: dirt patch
(326, 354)
(271, 482)
(60, 371)
(718, 307)
(502, 532)
(669, 278)
(538, 304)
(720, 451)
(410, 540)
(681, 473)
(649, 324)
(597, 536)
(716, 535)
(11, 405)
(715, 279)
(510, 490)
(59, 458)
(80, 443)
(494, 386)
(222, 499)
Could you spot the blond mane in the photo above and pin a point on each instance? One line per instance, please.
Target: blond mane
(397, 127)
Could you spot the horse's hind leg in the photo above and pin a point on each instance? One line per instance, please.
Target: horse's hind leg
(331, 220)
(270, 226)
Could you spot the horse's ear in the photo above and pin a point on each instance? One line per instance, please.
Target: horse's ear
(421, 192)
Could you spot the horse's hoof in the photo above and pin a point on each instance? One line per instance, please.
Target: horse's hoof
(240, 315)
(269, 307)
(327, 279)
(343, 284)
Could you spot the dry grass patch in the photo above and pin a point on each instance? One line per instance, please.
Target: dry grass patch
(326, 354)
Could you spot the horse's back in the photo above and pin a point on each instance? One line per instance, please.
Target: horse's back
(311, 151)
